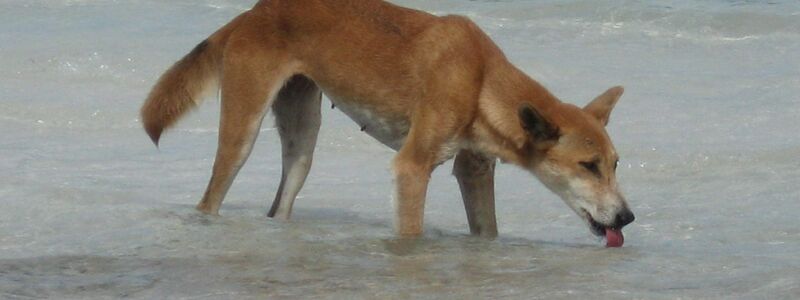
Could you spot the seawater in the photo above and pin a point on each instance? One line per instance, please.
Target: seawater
(707, 131)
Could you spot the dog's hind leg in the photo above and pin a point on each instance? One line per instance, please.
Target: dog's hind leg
(475, 175)
(248, 87)
(297, 116)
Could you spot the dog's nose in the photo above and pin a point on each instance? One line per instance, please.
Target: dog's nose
(625, 217)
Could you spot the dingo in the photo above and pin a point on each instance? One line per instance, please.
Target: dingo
(429, 87)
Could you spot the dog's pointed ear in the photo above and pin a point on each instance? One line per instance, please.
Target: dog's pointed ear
(601, 106)
(537, 127)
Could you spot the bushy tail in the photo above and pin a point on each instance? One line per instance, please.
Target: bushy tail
(181, 88)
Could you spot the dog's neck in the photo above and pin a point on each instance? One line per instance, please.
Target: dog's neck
(505, 90)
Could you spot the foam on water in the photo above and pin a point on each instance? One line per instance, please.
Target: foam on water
(707, 131)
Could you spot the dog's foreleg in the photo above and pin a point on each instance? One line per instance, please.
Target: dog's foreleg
(297, 116)
(247, 91)
(475, 175)
(411, 183)
(425, 147)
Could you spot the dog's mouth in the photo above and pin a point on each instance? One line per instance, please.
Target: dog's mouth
(597, 228)
(613, 235)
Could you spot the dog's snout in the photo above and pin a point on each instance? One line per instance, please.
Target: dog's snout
(623, 218)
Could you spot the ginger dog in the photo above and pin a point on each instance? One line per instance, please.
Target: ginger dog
(429, 87)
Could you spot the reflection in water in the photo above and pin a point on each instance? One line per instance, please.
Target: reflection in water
(455, 265)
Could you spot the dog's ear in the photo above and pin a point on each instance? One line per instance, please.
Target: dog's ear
(539, 128)
(601, 106)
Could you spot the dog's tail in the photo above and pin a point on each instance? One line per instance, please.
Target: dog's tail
(182, 87)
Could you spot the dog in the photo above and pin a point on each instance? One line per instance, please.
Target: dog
(430, 87)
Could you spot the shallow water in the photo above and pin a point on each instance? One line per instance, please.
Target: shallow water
(707, 131)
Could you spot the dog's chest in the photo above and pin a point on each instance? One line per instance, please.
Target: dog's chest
(390, 131)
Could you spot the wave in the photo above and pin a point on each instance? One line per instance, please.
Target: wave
(720, 20)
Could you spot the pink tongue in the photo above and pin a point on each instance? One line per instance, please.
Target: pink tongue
(614, 238)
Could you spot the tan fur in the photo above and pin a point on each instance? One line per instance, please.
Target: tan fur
(429, 86)
(181, 88)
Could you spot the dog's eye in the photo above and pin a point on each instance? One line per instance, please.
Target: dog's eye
(591, 166)
(616, 164)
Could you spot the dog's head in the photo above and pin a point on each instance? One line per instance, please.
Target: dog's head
(571, 153)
